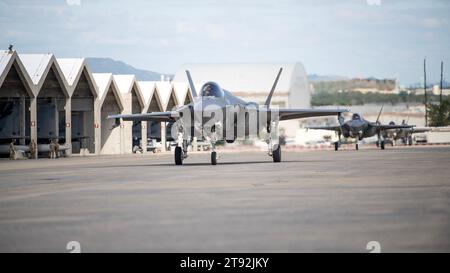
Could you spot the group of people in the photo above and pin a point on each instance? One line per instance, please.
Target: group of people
(14, 153)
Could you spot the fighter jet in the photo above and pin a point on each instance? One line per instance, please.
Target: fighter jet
(217, 115)
(403, 134)
(359, 128)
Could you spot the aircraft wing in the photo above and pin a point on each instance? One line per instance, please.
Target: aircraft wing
(389, 127)
(330, 128)
(286, 114)
(153, 116)
(421, 130)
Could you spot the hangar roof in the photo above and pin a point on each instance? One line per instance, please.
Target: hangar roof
(102, 80)
(147, 89)
(70, 67)
(124, 82)
(165, 90)
(5, 57)
(35, 65)
(181, 90)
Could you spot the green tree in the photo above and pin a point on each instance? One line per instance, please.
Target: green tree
(439, 114)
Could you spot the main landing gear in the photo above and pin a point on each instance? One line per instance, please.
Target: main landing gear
(380, 143)
(178, 155)
(214, 158)
(337, 144)
(181, 152)
(276, 154)
(213, 154)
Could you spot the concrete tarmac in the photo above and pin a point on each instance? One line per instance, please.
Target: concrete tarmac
(321, 201)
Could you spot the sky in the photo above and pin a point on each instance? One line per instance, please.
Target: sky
(354, 38)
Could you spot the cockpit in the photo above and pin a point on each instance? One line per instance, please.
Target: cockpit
(212, 89)
(356, 117)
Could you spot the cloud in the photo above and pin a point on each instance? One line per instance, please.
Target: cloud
(73, 2)
(431, 22)
(328, 36)
(184, 28)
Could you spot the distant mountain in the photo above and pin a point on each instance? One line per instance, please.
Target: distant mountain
(325, 78)
(107, 65)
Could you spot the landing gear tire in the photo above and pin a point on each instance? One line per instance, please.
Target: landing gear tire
(382, 145)
(178, 156)
(357, 146)
(214, 158)
(276, 154)
(410, 141)
(336, 146)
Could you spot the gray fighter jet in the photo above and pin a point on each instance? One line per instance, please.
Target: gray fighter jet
(403, 134)
(217, 115)
(359, 128)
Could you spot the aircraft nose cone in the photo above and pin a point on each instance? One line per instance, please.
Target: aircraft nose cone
(355, 129)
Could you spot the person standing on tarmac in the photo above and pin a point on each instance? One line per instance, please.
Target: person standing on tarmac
(12, 150)
(56, 148)
(52, 149)
(32, 149)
